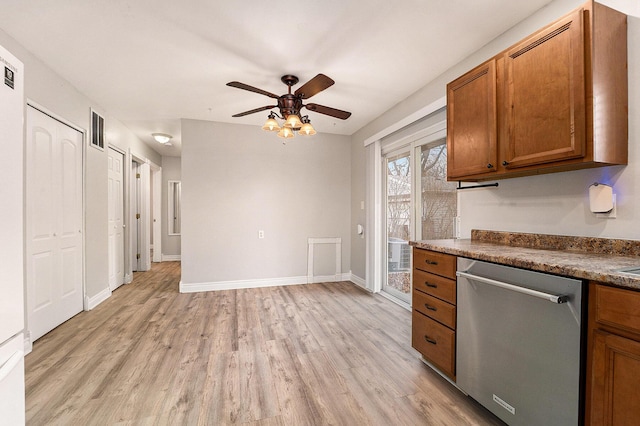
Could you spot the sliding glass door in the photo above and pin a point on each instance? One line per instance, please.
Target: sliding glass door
(398, 225)
(419, 204)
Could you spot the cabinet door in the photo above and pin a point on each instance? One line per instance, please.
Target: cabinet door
(545, 95)
(472, 123)
(615, 380)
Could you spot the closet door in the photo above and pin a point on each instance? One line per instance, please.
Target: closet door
(54, 255)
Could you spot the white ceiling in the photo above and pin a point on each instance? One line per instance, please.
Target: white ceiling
(151, 62)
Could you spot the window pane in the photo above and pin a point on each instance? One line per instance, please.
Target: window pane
(438, 198)
(398, 226)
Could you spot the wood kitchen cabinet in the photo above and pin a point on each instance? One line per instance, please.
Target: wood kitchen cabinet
(613, 372)
(434, 308)
(555, 101)
(472, 122)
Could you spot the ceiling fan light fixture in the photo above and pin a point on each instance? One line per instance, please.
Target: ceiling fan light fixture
(271, 125)
(290, 105)
(306, 129)
(293, 121)
(162, 138)
(286, 133)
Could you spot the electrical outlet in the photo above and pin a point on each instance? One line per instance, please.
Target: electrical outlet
(261, 234)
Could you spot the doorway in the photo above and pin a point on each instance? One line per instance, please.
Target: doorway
(54, 222)
(140, 191)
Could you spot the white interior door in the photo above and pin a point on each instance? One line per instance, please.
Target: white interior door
(116, 218)
(54, 252)
(156, 206)
(135, 217)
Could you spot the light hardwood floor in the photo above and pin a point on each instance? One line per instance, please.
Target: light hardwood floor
(296, 355)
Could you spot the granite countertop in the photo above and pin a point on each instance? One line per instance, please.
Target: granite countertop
(596, 259)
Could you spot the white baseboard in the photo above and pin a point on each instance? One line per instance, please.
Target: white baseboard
(28, 344)
(92, 302)
(171, 257)
(358, 281)
(238, 284)
(331, 278)
(128, 278)
(258, 283)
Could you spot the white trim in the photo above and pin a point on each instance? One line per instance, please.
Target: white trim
(55, 116)
(438, 128)
(128, 278)
(257, 283)
(91, 302)
(28, 344)
(360, 282)
(422, 112)
(311, 243)
(238, 284)
(171, 257)
(331, 278)
(156, 208)
(395, 300)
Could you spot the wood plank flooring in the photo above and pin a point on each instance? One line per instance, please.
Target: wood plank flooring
(296, 355)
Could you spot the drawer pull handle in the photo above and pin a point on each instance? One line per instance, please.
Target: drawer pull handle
(430, 340)
(430, 262)
(431, 308)
(428, 284)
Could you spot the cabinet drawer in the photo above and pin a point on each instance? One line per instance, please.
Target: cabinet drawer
(437, 309)
(435, 342)
(435, 285)
(434, 262)
(618, 308)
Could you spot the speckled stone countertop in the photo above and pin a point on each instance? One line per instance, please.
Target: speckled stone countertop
(596, 259)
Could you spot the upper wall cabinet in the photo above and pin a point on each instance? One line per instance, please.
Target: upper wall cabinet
(472, 122)
(553, 102)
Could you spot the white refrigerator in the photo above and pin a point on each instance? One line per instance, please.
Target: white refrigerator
(12, 406)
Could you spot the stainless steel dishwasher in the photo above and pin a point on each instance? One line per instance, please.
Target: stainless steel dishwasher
(519, 343)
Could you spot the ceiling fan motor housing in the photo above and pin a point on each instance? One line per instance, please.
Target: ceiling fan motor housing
(289, 104)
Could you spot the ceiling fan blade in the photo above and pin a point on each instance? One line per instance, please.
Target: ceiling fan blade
(316, 85)
(337, 113)
(264, 108)
(243, 86)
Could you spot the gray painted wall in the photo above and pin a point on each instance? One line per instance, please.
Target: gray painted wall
(49, 90)
(555, 203)
(238, 179)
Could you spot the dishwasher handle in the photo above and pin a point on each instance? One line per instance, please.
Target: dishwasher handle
(542, 295)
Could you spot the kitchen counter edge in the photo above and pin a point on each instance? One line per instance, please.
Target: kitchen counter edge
(603, 268)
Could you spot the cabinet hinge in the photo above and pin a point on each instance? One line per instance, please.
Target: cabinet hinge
(137, 215)
(137, 175)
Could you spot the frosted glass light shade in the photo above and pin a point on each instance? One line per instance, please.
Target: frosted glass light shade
(293, 122)
(286, 133)
(307, 130)
(271, 125)
(161, 137)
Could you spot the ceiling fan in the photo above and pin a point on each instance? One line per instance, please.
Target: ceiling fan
(290, 104)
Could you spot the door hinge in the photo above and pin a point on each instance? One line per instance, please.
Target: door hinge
(137, 215)
(137, 175)
(138, 256)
